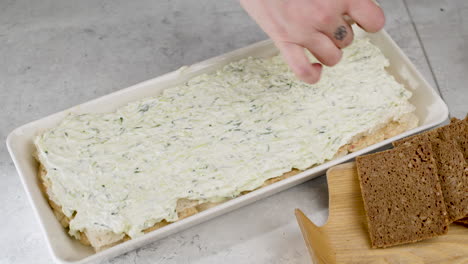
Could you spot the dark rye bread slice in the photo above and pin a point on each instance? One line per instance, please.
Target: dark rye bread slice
(402, 195)
(463, 221)
(451, 164)
(453, 175)
(463, 142)
(456, 131)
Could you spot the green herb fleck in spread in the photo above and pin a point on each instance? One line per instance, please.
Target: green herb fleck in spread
(212, 138)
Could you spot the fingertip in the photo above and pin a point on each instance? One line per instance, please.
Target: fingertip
(310, 75)
(367, 14)
(378, 21)
(298, 62)
(333, 60)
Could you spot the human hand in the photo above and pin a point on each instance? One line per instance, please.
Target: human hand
(317, 25)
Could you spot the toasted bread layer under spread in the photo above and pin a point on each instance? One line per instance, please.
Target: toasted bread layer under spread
(212, 138)
(115, 175)
(186, 208)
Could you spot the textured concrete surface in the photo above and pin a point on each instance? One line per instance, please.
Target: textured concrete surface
(442, 27)
(56, 54)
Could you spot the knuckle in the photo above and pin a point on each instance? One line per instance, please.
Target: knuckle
(324, 18)
(348, 40)
(342, 33)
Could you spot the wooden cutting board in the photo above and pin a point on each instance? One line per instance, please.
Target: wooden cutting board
(344, 238)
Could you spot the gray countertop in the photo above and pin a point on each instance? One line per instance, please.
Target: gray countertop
(56, 54)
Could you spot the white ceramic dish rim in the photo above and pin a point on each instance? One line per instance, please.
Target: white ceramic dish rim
(39, 125)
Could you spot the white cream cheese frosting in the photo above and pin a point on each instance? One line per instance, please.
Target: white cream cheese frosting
(212, 138)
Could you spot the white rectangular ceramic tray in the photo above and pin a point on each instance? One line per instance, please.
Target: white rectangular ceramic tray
(430, 109)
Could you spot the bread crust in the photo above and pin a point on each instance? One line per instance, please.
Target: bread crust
(186, 208)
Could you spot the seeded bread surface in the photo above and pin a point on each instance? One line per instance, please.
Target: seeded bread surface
(449, 145)
(402, 195)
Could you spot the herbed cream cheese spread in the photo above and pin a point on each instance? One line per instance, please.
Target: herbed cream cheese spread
(215, 136)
